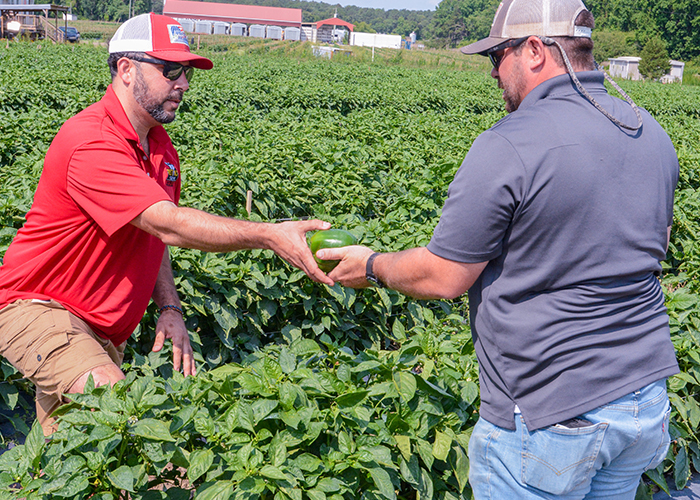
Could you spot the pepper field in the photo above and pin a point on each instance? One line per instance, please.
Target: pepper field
(303, 391)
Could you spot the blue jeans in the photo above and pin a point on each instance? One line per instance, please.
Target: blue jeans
(603, 459)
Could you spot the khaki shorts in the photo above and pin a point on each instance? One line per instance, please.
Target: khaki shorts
(53, 348)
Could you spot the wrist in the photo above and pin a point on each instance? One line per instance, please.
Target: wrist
(171, 307)
(369, 272)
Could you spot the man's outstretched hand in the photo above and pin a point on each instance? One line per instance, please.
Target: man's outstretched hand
(171, 326)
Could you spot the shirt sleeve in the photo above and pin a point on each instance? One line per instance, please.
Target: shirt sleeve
(109, 184)
(481, 202)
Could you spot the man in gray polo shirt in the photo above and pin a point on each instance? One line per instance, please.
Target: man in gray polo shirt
(556, 223)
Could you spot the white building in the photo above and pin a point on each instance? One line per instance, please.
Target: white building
(377, 40)
(625, 67)
(676, 73)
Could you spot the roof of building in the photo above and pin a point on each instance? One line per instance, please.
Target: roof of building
(34, 7)
(626, 58)
(232, 13)
(335, 21)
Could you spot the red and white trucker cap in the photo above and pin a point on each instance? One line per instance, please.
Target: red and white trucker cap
(158, 36)
(521, 18)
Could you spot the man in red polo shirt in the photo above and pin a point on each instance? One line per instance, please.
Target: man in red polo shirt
(77, 278)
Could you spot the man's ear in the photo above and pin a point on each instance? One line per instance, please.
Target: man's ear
(536, 52)
(126, 70)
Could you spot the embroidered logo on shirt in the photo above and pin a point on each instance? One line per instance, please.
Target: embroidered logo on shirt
(177, 35)
(173, 174)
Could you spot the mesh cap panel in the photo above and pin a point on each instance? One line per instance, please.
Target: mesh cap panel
(133, 36)
(546, 18)
(159, 36)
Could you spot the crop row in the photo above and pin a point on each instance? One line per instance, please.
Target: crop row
(371, 149)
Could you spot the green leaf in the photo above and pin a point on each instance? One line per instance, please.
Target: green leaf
(308, 462)
(155, 430)
(200, 462)
(329, 484)
(351, 399)
(681, 468)
(460, 467)
(381, 455)
(261, 408)
(34, 444)
(410, 470)
(226, 318)
(273, 472)
(122, 478)
(405, 383)
(366, 366)
(441, 445)
(73, 487)
(183, 417)
(10, 394)
(693, 412)
(277, 452)
(404, 445)
(398, 330)
(220, 490)
(643, 492)
(291, 333)
(304, 347)
(425, 451)
(316, 495)
(469, 392)
(345, 443)
(244, 453)
(382, 481)
(245, 416)
(425, 486)
(343, 373)
(287, 360)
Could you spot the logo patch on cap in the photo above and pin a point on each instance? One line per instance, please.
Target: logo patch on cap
(177, 35)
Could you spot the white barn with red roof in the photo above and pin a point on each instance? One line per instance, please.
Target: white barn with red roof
(232, 13)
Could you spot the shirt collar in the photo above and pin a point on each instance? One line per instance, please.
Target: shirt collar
(593, 81)
(115, 110)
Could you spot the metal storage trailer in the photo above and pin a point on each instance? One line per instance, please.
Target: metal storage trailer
(292, 34)
(257, 31)
(239, 29)
(203, 27)
(274, 32)
(220, 28)
(187, 25)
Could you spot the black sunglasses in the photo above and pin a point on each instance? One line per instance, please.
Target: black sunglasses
(171, 70)
(496, 54)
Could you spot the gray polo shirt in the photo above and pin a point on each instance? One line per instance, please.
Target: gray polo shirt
(571, 212)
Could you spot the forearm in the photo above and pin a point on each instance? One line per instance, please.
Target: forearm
(191, 228)
(165, 293)
(415, 272)
(411, 273)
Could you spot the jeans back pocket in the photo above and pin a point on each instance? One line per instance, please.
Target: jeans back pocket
(557, 459)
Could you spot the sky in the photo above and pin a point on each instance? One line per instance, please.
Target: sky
(391, 4)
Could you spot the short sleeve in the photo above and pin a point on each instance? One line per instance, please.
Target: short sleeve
(109, 184)
(481, 202)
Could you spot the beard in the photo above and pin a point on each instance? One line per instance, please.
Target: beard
(514, 87)
(154, 106)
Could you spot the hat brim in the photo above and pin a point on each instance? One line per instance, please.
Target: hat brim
(180, 56)
(483, 46)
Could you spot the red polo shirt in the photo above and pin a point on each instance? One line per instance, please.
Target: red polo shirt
(77, 245)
